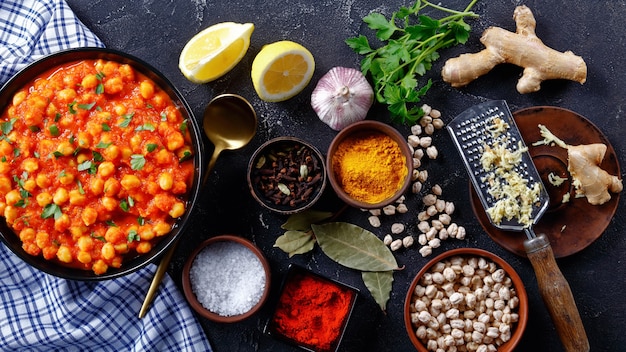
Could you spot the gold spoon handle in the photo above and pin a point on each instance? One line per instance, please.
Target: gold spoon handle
(165, 262)
(156, 280)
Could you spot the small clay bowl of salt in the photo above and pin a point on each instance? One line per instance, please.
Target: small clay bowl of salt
(369, 164)
(226, 279)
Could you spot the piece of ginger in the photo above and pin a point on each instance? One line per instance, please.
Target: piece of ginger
(583, 164)
(522, 48)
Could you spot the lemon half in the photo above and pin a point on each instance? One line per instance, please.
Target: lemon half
(214, 51)
(281, 70)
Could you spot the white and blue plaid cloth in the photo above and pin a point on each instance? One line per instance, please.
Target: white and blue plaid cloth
(39, 312)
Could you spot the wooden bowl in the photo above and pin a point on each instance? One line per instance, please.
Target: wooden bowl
(517, 328)
(365, 127)
(229, 259)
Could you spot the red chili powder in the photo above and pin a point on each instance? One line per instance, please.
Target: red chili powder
(311, 311)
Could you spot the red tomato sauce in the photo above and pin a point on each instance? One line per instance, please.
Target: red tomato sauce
(94, 164)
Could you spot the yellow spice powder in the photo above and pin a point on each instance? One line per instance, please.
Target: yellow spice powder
(369, 166)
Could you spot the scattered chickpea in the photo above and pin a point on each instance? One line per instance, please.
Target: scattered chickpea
(389, 210)
(395, 245)
(375, 212)
(387, 240)
(374, 221)
(416, 187)
(397, 228)
(432, 152)
(423, 176)
(429, 199)
(425, 251)
(408, 241)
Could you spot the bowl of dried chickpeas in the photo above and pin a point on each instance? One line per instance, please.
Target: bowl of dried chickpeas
(466, 297)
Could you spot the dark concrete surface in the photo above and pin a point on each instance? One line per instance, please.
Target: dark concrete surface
(156, 31)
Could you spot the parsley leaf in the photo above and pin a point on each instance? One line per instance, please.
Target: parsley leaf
(410, 44)
(126, 120)
(86, 106)
(54, 130)
(137, 161)
(51, 211)
(7, 126)
(145, 127)
(133, 236)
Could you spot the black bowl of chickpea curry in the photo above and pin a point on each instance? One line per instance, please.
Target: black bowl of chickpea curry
(100, 162)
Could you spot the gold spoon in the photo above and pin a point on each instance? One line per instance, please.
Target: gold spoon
(230, 123)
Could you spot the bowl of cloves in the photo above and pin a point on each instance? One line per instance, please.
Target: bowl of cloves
(286, 175)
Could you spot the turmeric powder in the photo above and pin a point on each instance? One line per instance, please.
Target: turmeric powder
(369, 167)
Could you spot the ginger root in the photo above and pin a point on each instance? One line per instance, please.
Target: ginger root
(584, 161)
(522, 48)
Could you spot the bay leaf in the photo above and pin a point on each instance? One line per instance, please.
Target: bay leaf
(291, 241)
(302, 221)
(305, 248)
(354, 247)
(379, 284)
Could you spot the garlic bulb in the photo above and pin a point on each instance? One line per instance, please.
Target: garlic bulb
(342, 96)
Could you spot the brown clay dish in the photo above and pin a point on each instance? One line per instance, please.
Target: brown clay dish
(522, 310)
(191, 297)
(358, 127)
(570, 226)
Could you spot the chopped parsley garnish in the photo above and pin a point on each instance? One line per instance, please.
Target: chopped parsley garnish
(88, 166)
(137, 161)
(102, 145)
(54, 130)
(51, 211)
(151, 147)
(145, 127)
(7, 126)
(70, 106)
(133, 236)
(186, 156)
(106, 127)
(86, 106)
(126, 120)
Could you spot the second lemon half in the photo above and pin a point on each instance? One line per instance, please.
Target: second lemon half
(281, 70)
(214, 51)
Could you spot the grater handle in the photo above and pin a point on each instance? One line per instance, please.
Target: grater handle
(557, 295)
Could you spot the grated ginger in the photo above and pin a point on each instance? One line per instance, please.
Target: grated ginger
(514, 196)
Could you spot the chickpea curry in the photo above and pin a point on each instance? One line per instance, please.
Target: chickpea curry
(94, 164)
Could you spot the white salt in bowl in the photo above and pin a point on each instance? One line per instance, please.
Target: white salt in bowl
(226, 279)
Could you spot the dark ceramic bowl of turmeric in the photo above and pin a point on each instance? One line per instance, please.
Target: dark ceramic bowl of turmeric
(313, 311)
(287, 175)
(369, 164)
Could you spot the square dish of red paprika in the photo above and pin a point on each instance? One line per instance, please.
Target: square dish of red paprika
(312, 311)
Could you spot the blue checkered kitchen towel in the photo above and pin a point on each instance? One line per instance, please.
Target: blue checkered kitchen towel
(39, 312)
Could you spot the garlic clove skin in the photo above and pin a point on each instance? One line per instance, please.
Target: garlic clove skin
(342, 96)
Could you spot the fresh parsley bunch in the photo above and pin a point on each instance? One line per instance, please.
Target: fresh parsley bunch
(410, 44)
